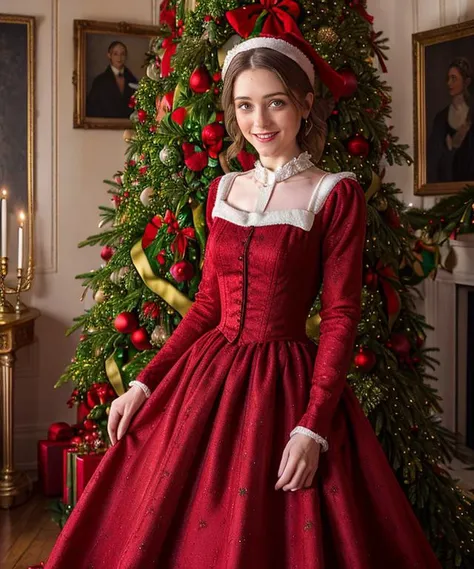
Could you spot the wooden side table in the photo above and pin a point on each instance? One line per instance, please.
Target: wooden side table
(16, 331)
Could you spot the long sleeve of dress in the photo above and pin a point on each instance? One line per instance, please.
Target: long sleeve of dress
(203, 315)
(343, 226)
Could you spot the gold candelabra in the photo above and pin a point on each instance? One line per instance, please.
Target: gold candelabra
(5, 306)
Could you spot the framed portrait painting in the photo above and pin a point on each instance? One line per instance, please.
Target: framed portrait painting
(109, 63)
(444, 106)
(17, 133)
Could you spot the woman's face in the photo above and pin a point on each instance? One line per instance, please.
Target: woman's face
(456, 83)
(266, 115)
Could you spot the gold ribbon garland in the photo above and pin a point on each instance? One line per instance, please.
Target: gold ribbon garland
(176, 299)
(374, 187)
(113, 373)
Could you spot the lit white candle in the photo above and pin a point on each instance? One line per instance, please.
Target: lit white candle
(21, 218)
(4, 248)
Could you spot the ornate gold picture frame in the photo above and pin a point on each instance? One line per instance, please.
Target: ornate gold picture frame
(443, 109)
(17, 138)
(109, 62)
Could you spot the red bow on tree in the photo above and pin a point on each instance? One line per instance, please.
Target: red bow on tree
(151, 230)
(170, 49)
(180, 242)
(167, 15)
(280, 16)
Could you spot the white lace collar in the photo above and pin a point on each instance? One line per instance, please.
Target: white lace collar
(301, 218)
(296, 165)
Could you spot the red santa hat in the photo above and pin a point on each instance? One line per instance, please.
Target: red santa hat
(300, 51)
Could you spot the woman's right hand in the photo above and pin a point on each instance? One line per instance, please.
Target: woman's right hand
(122, 410)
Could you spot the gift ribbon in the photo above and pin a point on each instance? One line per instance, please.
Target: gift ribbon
(176, 299)
(280, 16)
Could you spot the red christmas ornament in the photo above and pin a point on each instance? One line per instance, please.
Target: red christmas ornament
(194, 160)
(178, 115)
(107, 253)
(365, 360)
(90, 425)
(132, 102)
(161, 257)
(141, 115)
(140, 339)
(76, 440)
(371, 279)
(358, 146)
(350, 82)
(246, 160)
(220, 116)
(126, 322)
(212, 137)
(151, 309)
(217, 77)
(200, 80)
(182, 271)
(400, 344)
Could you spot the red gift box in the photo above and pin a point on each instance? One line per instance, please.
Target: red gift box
(50, 466)
(86, 465)
(50, 458)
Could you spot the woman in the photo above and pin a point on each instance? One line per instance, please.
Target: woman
(450, 155)
(252, 452)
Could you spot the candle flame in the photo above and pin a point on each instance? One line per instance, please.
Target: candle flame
(4, 193)
(22, 216)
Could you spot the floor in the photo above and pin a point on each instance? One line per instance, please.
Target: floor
(27, 533)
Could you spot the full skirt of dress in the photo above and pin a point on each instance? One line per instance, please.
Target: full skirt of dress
(191, 484)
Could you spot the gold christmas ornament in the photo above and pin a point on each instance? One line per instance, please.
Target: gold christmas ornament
(158, 336)
(129, 134)
(327, 35)
(99, 296)
(145, 196)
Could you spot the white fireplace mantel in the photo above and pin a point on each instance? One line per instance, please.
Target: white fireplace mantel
(443, 304)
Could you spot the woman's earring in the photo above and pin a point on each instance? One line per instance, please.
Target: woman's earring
(308, 125)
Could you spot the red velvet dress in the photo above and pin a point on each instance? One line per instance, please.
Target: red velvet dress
(191, 484)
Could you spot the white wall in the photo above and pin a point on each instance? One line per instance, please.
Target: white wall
(70, 167)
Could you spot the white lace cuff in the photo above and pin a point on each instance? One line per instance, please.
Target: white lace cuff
(304, 431)
(142, 386)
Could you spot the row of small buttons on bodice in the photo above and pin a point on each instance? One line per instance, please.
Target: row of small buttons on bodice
(243, 279)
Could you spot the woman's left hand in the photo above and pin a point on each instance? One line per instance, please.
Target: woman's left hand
(299, 463)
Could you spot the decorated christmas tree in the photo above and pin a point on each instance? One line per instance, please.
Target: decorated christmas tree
(153, 237)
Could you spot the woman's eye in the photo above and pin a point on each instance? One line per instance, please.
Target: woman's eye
(243, 106)
(277, 103)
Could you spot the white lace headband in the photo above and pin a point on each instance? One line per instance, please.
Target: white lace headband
(276, 44)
